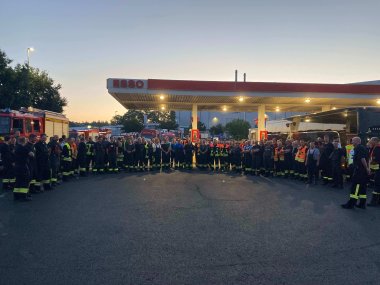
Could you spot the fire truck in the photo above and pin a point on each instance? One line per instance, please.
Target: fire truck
(33, 121)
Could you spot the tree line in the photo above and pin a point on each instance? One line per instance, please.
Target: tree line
(26, 86)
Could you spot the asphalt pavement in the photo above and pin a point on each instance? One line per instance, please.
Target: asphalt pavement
(187, 228)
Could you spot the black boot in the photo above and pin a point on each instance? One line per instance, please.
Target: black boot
(350, 204)
(362, 203)
(375, 200)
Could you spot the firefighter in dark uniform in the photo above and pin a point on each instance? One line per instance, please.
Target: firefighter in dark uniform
(360, 176)
(43, 163)
(22, 155)
(8, 163)
(35, 187)
(165, 153)
(90, 162)
(55, 151)
(280, 153)
(82, 157)
(203, 155)
(337, 159)
(189, 151)
(149, 156)
(112, 156)
(139, 154)
(374, 165)
(99, 152)
(156, 154)
(129, 155)
(256, 150)
(288, 158)
(214, 155)
(247, 157)
(326, 149)
(268, 158)
(224, 149)
(197, 152)
(66, 161)
(120, 153)
(236, 157)
(294, 172)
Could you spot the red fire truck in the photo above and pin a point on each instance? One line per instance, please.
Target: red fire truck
(33, 121)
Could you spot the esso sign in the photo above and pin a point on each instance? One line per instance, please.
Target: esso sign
(129, 83)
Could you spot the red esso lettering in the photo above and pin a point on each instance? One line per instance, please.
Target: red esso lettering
(139, 84)
(131, 84)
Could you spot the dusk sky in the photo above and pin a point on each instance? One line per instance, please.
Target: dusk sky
(82, 43)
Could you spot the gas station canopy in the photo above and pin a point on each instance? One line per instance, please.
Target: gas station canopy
(233, 96)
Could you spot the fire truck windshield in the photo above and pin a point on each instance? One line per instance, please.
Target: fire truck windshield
(4, 125)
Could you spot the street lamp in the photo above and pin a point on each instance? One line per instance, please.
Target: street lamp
(28, 51)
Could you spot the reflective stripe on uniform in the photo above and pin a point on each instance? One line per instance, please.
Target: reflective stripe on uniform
(21, 190)
(355, 196)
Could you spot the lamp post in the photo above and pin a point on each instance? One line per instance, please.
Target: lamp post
(28, 51)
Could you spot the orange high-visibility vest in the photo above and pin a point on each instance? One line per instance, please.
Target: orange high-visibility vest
(301, 154)
(275, 158)
(281, 154)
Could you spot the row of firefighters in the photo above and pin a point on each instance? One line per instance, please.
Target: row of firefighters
(33, 166)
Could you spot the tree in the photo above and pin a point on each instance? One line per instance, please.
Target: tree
(166, 119)
(238, 129)
(24, 86)
(217, 130)
(132, 120)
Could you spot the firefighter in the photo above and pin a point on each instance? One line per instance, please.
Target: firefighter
(74, 156)
(129, 155)
(197, 151)
(43, 163)
(8, 163)
(90, 162)
(288, 158)
(268, 158)
(326, 149)
(301, 159)
(82, 157)
(294, 162)
(120, 153)
(189, 152)
(337, 159)
(156, 153)
(223, 156)
(204, 151)
(349, 159)
(374, 161)
(139, 154)
(247, 157)
(22, 154)
(236, 154)
(106, 142)
(55, 151)
(213, 155)
(359, 177)
(35, 187)
(255, 158)
(280, 152)
(149, 156)
(66, 160)
(165, 154)
(112, 152)
(312, 162)
(179, 154)
(99, 153)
